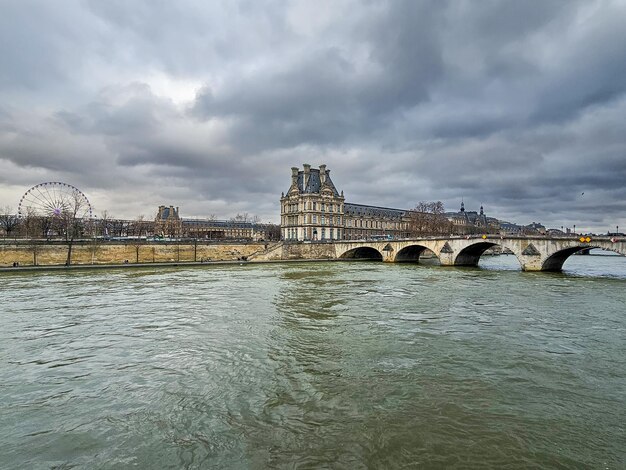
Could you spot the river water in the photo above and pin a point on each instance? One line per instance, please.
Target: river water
(315, 365)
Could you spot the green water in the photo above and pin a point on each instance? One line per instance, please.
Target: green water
(315, 365)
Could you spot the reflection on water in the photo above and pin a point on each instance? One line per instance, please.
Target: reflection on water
(342, 365)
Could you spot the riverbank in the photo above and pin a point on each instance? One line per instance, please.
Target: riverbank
(187, 264)
(34, 253)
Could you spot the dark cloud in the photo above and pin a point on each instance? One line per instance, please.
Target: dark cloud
(519, 106)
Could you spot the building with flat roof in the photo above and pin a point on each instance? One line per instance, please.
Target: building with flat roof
(169, 223)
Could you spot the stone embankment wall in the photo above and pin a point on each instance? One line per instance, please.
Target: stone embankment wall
(48, 254)
(294, 251)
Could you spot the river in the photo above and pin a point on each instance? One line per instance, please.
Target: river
(315, 365)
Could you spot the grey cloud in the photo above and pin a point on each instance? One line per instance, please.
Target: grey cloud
(516, 105)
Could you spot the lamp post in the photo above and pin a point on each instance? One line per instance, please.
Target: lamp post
(574, 229)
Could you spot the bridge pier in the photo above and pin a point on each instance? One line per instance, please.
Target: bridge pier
(531, 263)
(446, 259)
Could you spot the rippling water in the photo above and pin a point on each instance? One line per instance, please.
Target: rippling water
(309, 365)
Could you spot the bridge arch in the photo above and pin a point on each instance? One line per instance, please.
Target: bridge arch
(470, 255)
(363, 253)
(412, 253)
(555, 261)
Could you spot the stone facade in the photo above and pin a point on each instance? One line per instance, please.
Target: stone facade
(366, 222)
(50, 254)
(534, 253)
(168, 222)
(313, 209)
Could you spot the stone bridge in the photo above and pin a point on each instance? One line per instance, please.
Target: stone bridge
(533, 253)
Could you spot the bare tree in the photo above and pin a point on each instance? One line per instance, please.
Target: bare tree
(172, 228)
(117, 227)
(428, 219)
(239, 218)
(273, 231)
(246, 218)
(140, 228)
(103, 225)
(70, 222)
(45, 225)
(9, 221)
(28, 223)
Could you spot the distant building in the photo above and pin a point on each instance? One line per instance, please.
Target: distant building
(169, 223)
(471, 221)
(535, 228)
(555, 232)
(373, 221)
(508, 228)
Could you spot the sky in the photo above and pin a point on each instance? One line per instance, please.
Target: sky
(206, 105)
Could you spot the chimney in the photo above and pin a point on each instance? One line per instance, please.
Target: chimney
(307, 174)
(322, 174)
(294, 175)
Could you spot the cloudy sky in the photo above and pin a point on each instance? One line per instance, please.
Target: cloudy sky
(206, 105)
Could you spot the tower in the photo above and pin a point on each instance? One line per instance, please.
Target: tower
(312, 208)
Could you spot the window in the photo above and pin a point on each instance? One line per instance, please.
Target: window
(323, 233)
(323, 220)
(314, 206)
(314, 218)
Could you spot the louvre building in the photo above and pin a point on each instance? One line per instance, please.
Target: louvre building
(313, 209)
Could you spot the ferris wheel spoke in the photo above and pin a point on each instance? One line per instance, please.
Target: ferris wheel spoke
(55, 198)
(36, 200)
(46, 197)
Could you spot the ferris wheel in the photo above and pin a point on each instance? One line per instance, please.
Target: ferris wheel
(54, 199)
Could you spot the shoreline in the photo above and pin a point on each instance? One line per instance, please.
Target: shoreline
(178, 264)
